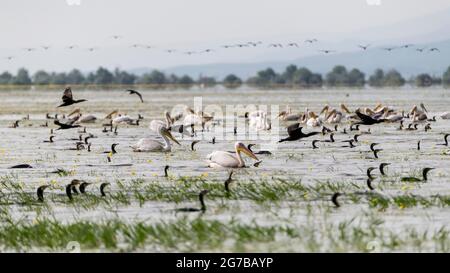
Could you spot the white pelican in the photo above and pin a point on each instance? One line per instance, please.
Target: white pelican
(199, 118)
(334, 116)
(221, 159)
(313, 120)
(122, 119)
(262, 122)
(348, 114)
(154, 124)
(418, 115)
(82, 119)
(253, 114)
(153, 145)
(393, 116)
(287, 115)
(445, 115)
(110, 115)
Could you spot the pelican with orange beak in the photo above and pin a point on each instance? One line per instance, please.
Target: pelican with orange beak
(221, 159)
(153, 145)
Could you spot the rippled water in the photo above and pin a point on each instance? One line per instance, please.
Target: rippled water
(293, 160)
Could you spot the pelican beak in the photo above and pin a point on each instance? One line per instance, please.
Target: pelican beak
(343, 107)
(324, 110)
(169, 135)
(246, 151)
(377, 107)
(423, 107)
(74, 112)
(330, 114)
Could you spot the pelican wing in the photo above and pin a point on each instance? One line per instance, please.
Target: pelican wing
(445, 115)
(87, 119)
(121, 119)
(223, 159)
(192, 119)
(156, 124)
(148, 145)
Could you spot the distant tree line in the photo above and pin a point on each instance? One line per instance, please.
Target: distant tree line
(292, 76)
(340, 76)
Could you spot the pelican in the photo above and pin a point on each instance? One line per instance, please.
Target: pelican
(154, 124)
(198, 118)
(334, 116)
(445, 115)
(82, 119)
(418, 115)
(221, 159)
(152, 145)
(348, 114)
(122, 119)
(393, 116)
(287, 115)
(254, 114)
(313, 120)
(259, 122)
(110, 115)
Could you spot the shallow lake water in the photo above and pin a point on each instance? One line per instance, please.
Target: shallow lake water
(292, 161)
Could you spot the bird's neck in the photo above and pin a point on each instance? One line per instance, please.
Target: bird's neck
(202, 203)
(167, 145)
(239, 158)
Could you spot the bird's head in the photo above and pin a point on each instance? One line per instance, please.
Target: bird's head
(240, 147)
(164, 132)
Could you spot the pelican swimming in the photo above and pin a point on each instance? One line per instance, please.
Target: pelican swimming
(418, 115)
(222, 159)
(288, 115)
(334, 116)
(153, 145)
(393, 116)
(313, 120)
(122, 119)
(445, 115)
(199, 118)
(80, 118)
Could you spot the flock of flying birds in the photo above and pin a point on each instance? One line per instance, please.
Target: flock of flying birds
(342, 121)
(250, 44)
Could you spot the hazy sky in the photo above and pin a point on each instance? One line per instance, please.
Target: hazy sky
(179, 24)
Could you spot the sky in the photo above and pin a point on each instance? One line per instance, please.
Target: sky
(184, 25)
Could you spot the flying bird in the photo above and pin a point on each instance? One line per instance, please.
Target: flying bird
(364, 47)
(327, 51)
(367, 120)
(295, 133)
(67, 98)
(389, 48)
(407, 46)
(134, 92)
(65, 126)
